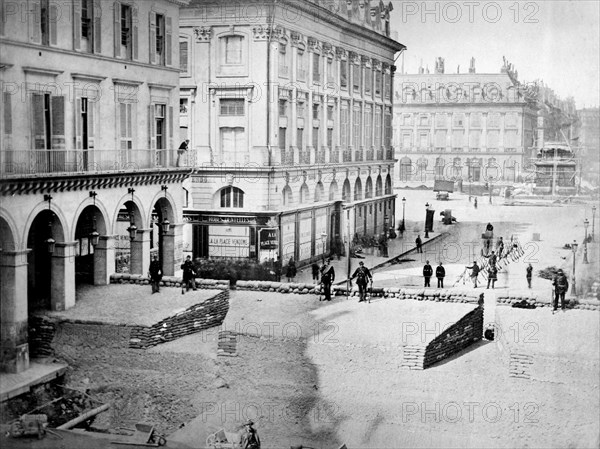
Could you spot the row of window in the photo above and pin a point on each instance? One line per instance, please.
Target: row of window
(474, 169)
(347, 75)
(460, 120)
(48, 124)
(46, 18)
(511, 139)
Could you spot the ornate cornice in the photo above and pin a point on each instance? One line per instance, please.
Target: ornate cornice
(386, 68)
(366, 61)
(354, 58)
(314, 45)
(203, 34)
(262, 32)
(341, 53)
(377, 64)
(296, 39)
(24, 185)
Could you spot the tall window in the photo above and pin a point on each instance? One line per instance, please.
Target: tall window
(232, 197)
(378, 83)
(356, 77)
(301, 60)
(126, 35)
(356, 125)
(282, 138)
(233, 49)
(160, 121)
(126, 113)
(183, 55)
(344, 125)
(232, 106)
(300, 115)
(159, 40)
(330, 70)
(387, 86)
(283, 108)
(316, 68)
(283, 61)
(377, 127)
(315, 138)
(368, 126)
(300, 138)
(344, 74)
(89, 26)
(368, 80)
(387, 142)
(233, 142)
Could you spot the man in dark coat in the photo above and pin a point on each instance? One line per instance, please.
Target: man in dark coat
(493, 258)
(249, 438)
(474, 273)
(290, 271)
(492, 275)
(561, 286)
(155, 274)
(189, 273)
(419, 243)
(427, 273)
(327, 278)
(181, 150)
(440, 274)
(363, 277)
(529, 275)
(315, 272)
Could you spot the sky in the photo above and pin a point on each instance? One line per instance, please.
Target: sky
(557, 41)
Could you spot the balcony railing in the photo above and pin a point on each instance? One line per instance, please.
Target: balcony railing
(320, 155)
(347, 156)
(334, 156)
(389, 153)
(48, 161)
(358, 154)
(304, 156)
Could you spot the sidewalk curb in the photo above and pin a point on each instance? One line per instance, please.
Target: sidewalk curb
(392, 260)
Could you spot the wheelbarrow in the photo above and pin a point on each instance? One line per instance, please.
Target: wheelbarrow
(223, 440)
(144, 435)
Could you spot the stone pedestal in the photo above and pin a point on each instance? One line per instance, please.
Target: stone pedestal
(104, 259)
(140, 252)
(172, 249)
(62, 272)
(14, 348)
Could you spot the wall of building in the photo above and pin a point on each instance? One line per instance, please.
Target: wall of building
(458, 121)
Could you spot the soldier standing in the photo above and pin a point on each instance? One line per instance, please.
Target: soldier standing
(427, 273)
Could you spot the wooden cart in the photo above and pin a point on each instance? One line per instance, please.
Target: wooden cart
(144, 435)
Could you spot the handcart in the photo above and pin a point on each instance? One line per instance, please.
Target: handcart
(144, 435)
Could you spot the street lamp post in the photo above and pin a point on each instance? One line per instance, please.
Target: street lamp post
(586, 223)
(323, 242)
(593, 222)
(491, 187)
(470, 182)
(426, 227)
(573, 284)
(402, 225)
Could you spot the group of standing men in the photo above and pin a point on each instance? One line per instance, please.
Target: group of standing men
(440, 274)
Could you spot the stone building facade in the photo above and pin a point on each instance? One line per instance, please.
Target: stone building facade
(469, 126)
(88, 118)
(288, 106)
(588, 133)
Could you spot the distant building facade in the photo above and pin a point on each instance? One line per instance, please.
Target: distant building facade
(88, 176)
(588, 133)
(468, 126)
(288, 106)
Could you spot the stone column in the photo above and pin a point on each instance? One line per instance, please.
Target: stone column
(140, 252)
(62, 276)
(104, 259)
(173, 249)
(14, 347)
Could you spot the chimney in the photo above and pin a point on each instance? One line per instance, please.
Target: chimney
(472, 66)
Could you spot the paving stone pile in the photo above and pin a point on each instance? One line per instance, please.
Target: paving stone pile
(167, 281)
(509, 299)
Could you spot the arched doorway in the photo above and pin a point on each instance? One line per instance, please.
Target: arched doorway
(130, 239)
(319, 192)
(378, 186)
(358, 194)
(346, 195)
(90, 226)
(41, 270)
(162, 240)
(333, 190)
(287, 196)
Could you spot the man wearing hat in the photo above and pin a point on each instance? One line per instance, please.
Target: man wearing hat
(363, 277)
(327, 278)
(474, 273)
(250, 439)
(561, 285)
